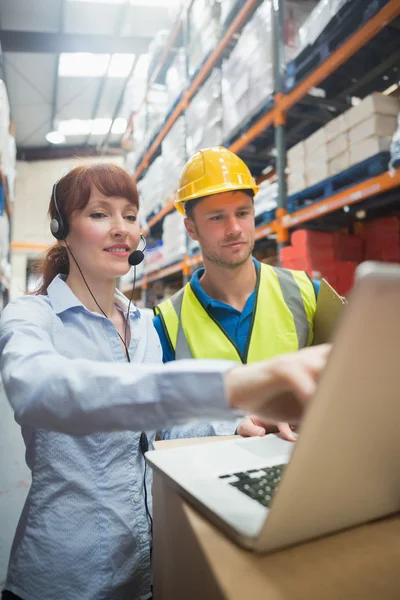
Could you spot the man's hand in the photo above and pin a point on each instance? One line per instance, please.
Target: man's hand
(256, 427)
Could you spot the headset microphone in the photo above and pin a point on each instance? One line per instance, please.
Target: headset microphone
(136, 257)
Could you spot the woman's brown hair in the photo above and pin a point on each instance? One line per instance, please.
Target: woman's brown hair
(73, 193)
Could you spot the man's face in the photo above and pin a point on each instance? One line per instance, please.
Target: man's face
(223, 224)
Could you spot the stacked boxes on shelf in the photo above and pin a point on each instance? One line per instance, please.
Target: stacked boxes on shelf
(204, 115)
(247, 75)
(331, 256)
(335, 256)
(363, 131)
(203, 31)
(297, 176)
(371, 126)
(316, 157)
(382, 239)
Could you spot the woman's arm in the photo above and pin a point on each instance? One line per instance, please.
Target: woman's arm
(79, 396)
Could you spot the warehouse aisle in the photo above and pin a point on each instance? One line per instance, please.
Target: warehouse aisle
(14, 480)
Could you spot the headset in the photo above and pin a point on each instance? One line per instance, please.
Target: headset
(59, 227)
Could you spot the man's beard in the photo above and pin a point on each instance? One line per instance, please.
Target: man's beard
(220, 261)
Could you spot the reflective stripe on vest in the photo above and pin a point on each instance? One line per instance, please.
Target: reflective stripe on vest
(282, 321)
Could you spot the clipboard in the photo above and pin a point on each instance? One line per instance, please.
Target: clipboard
(329, 309)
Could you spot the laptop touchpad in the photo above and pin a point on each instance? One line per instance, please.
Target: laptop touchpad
(268, 446)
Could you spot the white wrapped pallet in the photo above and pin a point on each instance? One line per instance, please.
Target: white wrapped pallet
(204, 115)
(157, 108)
(203, 29)
(175, 78)
(151, 187)
(157, 48)
(317, 20)
(247, 74)
(173, 238)
(173, 152)
(266, 198)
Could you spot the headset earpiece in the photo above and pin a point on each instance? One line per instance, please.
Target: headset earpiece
(58, 226)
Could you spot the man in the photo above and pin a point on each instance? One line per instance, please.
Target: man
(235, 308)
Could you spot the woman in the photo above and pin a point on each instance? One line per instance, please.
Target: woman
(85, 531)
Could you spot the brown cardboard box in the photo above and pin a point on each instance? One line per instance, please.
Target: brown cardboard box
(193, 560)
(296, 153)
(315, 141)
(336, 127)
(369, 147)
(376, 103)
(375, 126)
(317, 172)
(296, 182)
(340, 163)
(337, 146)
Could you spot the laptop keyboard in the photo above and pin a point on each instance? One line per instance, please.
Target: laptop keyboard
(258, 484)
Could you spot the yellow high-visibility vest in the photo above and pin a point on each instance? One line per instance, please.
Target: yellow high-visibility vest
(282, 320)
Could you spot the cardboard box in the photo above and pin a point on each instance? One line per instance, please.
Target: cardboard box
(340, 163)
(369, 147)
(336, 127)
(348, 247)
(337, 146)
(296, 182)
(304, 238)
(296, 153)
(376, 103)
(317, 157)
(315, 141)
(317, 173)
(375, 125)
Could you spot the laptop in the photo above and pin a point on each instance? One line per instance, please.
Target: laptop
(268, 493)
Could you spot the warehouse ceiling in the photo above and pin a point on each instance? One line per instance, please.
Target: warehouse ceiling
(66, 64)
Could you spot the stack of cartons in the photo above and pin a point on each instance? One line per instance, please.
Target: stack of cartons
(363, 131)
(338, 149)
(316, 157)
(371, 125)
(296, 158)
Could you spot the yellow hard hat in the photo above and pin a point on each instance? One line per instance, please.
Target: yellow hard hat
(212, 171)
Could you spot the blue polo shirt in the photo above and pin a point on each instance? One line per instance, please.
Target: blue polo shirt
(236, 324)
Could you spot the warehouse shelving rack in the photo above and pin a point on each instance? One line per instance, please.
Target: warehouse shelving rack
(274, 121)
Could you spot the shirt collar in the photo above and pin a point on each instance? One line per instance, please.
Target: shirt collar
(63, 298)
(204, 298)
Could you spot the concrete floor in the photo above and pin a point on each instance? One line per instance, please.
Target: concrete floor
(14, 480)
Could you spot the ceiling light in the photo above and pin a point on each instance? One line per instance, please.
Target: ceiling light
(120, 65)
(100, 126)
(83, 64)
(55, 137)
(119, 126)
(75, 127)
